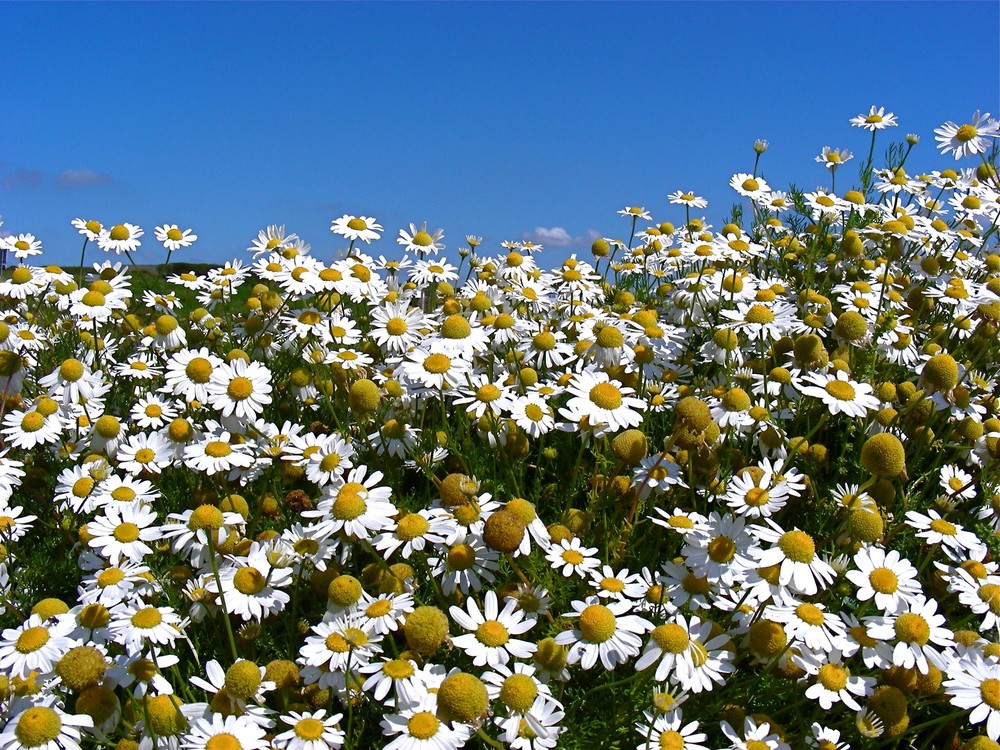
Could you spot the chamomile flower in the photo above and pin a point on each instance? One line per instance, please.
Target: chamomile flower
(252, 586)
(357, 505)
(173, 238)
(121, 238)
(605, 632)
(417, 727)
(840, 393)
(122, 532)
(310, 731)
(973, 684)
(354, 228)
(794, 552)
(876, 119)
(668, 730)
(420, 242)
(953, 538)
(915, 637)
(570, 557)
(239, 389)
(969, 139)
(36, 645)
(603, 402)
(491, 641)
(685, 651)
(48, 727)
(232, 732)
(134, 625)
(886, 577)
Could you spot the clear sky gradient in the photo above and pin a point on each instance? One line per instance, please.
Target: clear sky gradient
(480, 118)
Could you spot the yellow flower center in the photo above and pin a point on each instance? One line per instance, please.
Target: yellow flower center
(398, 669)
(798, 546)
(671, 637)
(350, 502)
(883, 581)
(110, 577)
(198, 370)
(412, 526)
(396, 326)
(126, 532)
(461, 556)
(989, 689)
(722, 549)
(218, 449)
(606, 396)
(534, 412)
(613, 585)
(249, 581)
(32, 421)
(37, 726)
(144, 455)
(309, 729)
(423, 239)
(223, 741)
(750, 185)
(357, 224)
(146, 618)
(912, 628)
(759, 314)
(943, 527)
(240, 388)
(597, 623)
(123, 494)
(833, 677)
(437, 364)
(572, 556)
(329, 462)
(422, 725)
(809, 613)
(32, 639)
(492, 633)
(966, 133)
(840, 390)
(518, 692)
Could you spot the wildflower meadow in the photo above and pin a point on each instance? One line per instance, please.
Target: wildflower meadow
(707, 486)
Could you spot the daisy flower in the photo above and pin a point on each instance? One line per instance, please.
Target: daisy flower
(36, 645)
(91, 229)
(968, 139)
(490, 641)
(395, 327)
(954, 539)
(722, 551)
(217, 453)
(668, 730)
(840, 393)
(886, 577)
(572, 558)
(834, 157)
(356, 506)
(876, 119)
(420, 242)
(834, 681)
(749, 186)
(688, 199)
(414, 531)
(271, 239)
(217, 731)
(47, 727)
(354, 228)
(808, 623)
(603, 401)
(418, 728)
(794, 552)
(335, 645)
(974, 684)
(751, 494)
(240, 388)
(685, 651)
(132, 625)
(398, 675)
(122, 532)
(919, 634)
(173, 238)
(310, 731)
(121, 238)
(465, 565)
(635, 212)
(251, 585)
(754, 736)
(532, 414)
(604, 632)
(434, 369)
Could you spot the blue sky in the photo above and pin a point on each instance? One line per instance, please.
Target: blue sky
(480, 118)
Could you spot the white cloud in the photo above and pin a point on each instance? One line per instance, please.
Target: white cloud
(559, 237)
(82, 178)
